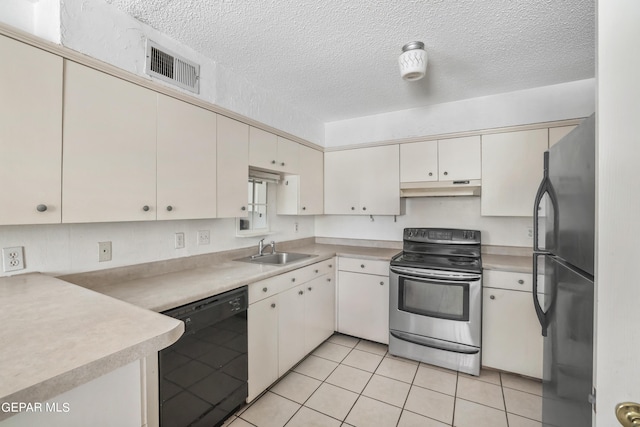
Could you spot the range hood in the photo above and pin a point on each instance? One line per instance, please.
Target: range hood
(470, 187)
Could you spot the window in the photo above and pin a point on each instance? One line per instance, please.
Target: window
(257, 221)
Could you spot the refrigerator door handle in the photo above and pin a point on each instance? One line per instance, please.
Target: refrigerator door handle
(545, 187)
(542, 316)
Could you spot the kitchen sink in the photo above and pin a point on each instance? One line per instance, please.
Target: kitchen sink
(279, 258)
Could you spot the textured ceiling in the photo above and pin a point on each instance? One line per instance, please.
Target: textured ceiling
(337, 59)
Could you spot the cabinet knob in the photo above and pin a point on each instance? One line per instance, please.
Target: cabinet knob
(521, 282)
(282, 164)
(353, 208)
(264, 289)
(381, 283)
(446, 173)
(273, 162)
(273, 305)
(300, 292)
(328, 279)
(316, 271)
(304, 208)
(330, 265)
(41, 208)
(169, 208)
(145, 208)
(364, 208)
(492, 297)
(310, 288)
(430, 173)
(361, 265)
(293, 279)
(244, 208)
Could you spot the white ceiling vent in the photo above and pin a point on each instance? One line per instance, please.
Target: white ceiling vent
(167, 66)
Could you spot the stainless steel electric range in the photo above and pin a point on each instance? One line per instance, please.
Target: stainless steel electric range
(435, 301)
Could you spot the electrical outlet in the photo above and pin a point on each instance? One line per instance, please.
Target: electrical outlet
(104, 251)
(295, 227)
(13, 258)
(530, 232)
(204, 237)
(179, 240)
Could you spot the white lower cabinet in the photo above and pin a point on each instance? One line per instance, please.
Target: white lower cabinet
(289, 316)
(262, 325)
(363, 301)
(511, 334)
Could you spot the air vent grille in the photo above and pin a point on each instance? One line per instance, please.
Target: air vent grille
(166, 66)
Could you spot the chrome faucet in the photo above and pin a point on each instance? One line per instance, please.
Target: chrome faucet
(262, 247)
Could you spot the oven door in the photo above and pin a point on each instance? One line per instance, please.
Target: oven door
(436, 304)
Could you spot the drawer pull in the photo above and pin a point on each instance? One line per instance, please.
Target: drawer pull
(317, 271)
(293, 279)
(310, 288)
(361, 265)
(381, 283)
(264, 289)
(328, 280)
(492, 297)
(330, 266)
(521, 282)
(273, 305)
(300, 292)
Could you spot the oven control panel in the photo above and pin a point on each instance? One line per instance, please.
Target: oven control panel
(442, 235)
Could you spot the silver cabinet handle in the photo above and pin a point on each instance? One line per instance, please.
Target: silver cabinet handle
(41, 208)
(304, 208)
(328, 279)
(293, 279)
(273, 162)
(521, 282)
(492, 297)
(300, 292)
(317, 271)
(169, 208)
(330, 266)
(145, 208)
(430, 174)
(273, 305)
(352, 208)
(310, 288)
(244, 208)
(361, 265)
(364, 208)
(282, 164)
(446, 173)
(381, 283)
(264, 289)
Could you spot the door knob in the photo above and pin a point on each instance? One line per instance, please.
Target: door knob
(628, 414)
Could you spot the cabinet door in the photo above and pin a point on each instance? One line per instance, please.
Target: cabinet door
(459, 158)
(233, 167)
(319, 311)
(288, 156)
(512, 166)
(363, 306)
(419, 161)
(342, 180)
(311, 181)
(186, 160)
(30, 135)
(511, 339)
(291, 328)
(109, 155)
(263, 149)
(380, 180)
(556, 134)
(262, 329)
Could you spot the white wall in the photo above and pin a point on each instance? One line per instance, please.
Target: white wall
(68, 248)
(100, 30)
(19, 14)
(558, 102)
(448, 212)
(38, 17)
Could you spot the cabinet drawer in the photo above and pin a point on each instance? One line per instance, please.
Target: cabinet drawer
(366, 266)
(323, 267)
(507, 280)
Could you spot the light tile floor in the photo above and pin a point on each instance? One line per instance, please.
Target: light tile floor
(351, 382)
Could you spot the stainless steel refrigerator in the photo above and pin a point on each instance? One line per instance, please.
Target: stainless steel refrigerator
(563, 268)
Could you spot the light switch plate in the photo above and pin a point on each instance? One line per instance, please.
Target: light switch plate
(179, 240)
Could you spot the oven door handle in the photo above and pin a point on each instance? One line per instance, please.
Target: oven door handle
(435, 277)
(437, 344)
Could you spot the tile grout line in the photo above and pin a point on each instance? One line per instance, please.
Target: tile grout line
(407, 398)
(504, 400)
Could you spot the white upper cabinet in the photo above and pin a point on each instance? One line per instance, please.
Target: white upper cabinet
(364, 181)
(109, 156)
(303, 194)
(556, 134)
(233, 167)
(459, 159)
(186, 160)
(443, 160)
(512, 168)
(269, 151)
(30, 135)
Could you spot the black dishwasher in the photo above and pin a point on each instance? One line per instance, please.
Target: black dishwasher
(203, 376)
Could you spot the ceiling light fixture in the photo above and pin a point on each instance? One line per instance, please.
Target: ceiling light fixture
(413, 61)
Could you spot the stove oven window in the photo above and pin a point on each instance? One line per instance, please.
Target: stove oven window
(443, 301)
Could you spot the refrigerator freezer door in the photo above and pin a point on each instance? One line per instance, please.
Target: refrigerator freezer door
(568, 348)
(572, 175)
